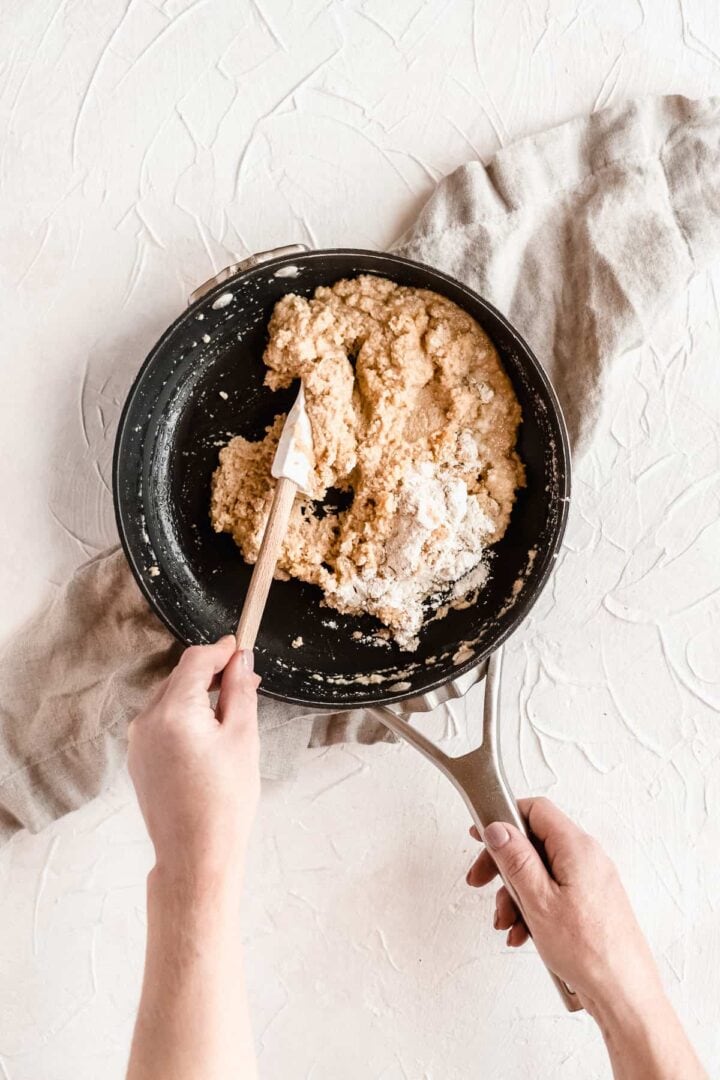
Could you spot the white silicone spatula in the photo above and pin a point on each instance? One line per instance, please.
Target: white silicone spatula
(292, 468)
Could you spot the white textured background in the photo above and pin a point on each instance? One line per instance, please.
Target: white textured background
(145, 145)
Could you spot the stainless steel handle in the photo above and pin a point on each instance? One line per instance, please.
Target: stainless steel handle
(245, 264)
(480, 779)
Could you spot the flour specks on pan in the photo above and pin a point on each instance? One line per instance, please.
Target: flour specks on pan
(414, 428)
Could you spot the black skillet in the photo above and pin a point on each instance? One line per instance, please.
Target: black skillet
(203, 383)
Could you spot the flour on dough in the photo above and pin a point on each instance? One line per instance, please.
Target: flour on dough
(413, 416)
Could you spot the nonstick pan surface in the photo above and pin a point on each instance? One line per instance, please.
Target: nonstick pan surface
(202, 384)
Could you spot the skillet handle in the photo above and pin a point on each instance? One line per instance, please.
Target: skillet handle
(485, 792)
(480, 778)
(493, 804)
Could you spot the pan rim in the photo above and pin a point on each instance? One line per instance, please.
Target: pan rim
(375, 697)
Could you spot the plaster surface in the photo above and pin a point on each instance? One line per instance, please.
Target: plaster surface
(145, 146)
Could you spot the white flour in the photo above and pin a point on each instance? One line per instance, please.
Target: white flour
(437, 543)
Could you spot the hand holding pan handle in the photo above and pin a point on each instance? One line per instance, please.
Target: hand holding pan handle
(479, 777)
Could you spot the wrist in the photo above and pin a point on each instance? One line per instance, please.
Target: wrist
(625, 988)
(642, 1031)
(617, 1008)
(195, 885)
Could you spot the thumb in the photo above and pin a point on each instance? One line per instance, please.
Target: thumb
(237, 703)
(518, 862)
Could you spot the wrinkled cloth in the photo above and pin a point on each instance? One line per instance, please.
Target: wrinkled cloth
(579, 235)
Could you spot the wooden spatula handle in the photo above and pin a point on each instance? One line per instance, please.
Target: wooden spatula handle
(262, 575)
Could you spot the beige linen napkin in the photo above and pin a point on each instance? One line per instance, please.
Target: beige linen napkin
(579, 235)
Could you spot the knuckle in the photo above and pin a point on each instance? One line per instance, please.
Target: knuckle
(545, 903)
(587, 845)
(542, 802)
(594, 852)
(166, 716)
(191, 655)
(516, 863)
(594, 856)
(539, 807)
(606, 866)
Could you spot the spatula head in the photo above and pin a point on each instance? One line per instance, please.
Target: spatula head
(294, 458)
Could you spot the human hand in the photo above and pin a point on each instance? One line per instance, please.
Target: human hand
(195, 770)
(578, 914)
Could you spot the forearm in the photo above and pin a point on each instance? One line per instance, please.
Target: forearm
(193, 1018)
(645, 1039)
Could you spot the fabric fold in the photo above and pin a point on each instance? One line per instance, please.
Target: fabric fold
(603, 220)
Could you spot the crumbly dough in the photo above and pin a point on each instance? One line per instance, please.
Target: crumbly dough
(412, 413)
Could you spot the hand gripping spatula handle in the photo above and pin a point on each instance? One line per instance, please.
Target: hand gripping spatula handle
(480, 778)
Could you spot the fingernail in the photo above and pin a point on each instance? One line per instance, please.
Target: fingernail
(247, 659)
(496, 835)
